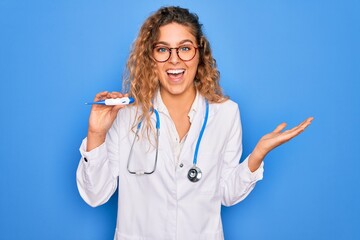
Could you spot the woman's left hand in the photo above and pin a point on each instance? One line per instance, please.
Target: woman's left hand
(272, 140)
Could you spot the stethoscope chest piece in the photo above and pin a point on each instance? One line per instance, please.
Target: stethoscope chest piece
(194, 174)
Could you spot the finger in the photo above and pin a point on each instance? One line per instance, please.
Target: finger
(306, 123)
(279, 128)
(100, 95)
(113, 95)
(116, 95)
(289, 134)
(303, 125)
(310, 119)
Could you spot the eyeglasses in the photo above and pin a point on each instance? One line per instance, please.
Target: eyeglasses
(184, 52)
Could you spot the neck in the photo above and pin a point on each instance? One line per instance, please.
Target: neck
(178, 102)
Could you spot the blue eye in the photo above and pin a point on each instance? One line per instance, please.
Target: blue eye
(162, 49)
(185, 48)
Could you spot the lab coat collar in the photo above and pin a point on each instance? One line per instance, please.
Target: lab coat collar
(160, 106)
(196, 115)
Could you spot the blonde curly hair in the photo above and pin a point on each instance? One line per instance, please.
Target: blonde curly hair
(142, 80)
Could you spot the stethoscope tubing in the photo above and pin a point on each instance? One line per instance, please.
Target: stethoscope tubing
(194, 173)
(157, 145)
(201, 134)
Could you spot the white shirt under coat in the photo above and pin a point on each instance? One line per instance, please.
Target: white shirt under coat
(165, 204)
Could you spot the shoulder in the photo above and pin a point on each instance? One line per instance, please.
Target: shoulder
(227, 113)
(227, 107)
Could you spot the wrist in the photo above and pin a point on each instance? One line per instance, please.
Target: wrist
(95, 134)
(94, 139)
(255, 159)
(258, 153)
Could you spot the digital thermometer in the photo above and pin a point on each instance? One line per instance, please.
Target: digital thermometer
(113, 101)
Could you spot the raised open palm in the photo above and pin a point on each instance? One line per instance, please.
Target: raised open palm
(274, 139)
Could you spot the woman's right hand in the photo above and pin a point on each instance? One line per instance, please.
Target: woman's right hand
(101, 118)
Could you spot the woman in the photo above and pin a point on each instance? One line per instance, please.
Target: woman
(171, 185)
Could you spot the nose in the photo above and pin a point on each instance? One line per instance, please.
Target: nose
(174, 58)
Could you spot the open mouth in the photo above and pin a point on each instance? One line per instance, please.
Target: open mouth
(175, 72)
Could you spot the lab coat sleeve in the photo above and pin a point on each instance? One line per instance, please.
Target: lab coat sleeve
(97, 171)
(237, 181)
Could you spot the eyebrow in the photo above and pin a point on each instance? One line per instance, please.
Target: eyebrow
(179, 43)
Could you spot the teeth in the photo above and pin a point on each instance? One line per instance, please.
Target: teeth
(175, 71)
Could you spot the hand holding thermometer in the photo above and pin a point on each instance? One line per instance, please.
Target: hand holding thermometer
(113, 101)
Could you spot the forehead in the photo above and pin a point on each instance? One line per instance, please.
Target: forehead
(173, 33)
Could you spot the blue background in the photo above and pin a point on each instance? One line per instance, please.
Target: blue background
(280, 60)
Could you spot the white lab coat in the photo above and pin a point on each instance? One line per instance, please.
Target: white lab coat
(165, 204)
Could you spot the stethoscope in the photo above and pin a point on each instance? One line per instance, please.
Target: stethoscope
(194, 173)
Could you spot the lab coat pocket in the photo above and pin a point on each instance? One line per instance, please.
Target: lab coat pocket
(209, 163)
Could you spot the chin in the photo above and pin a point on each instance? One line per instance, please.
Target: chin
(176, 91)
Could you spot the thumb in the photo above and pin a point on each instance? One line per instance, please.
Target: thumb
(279, 128)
